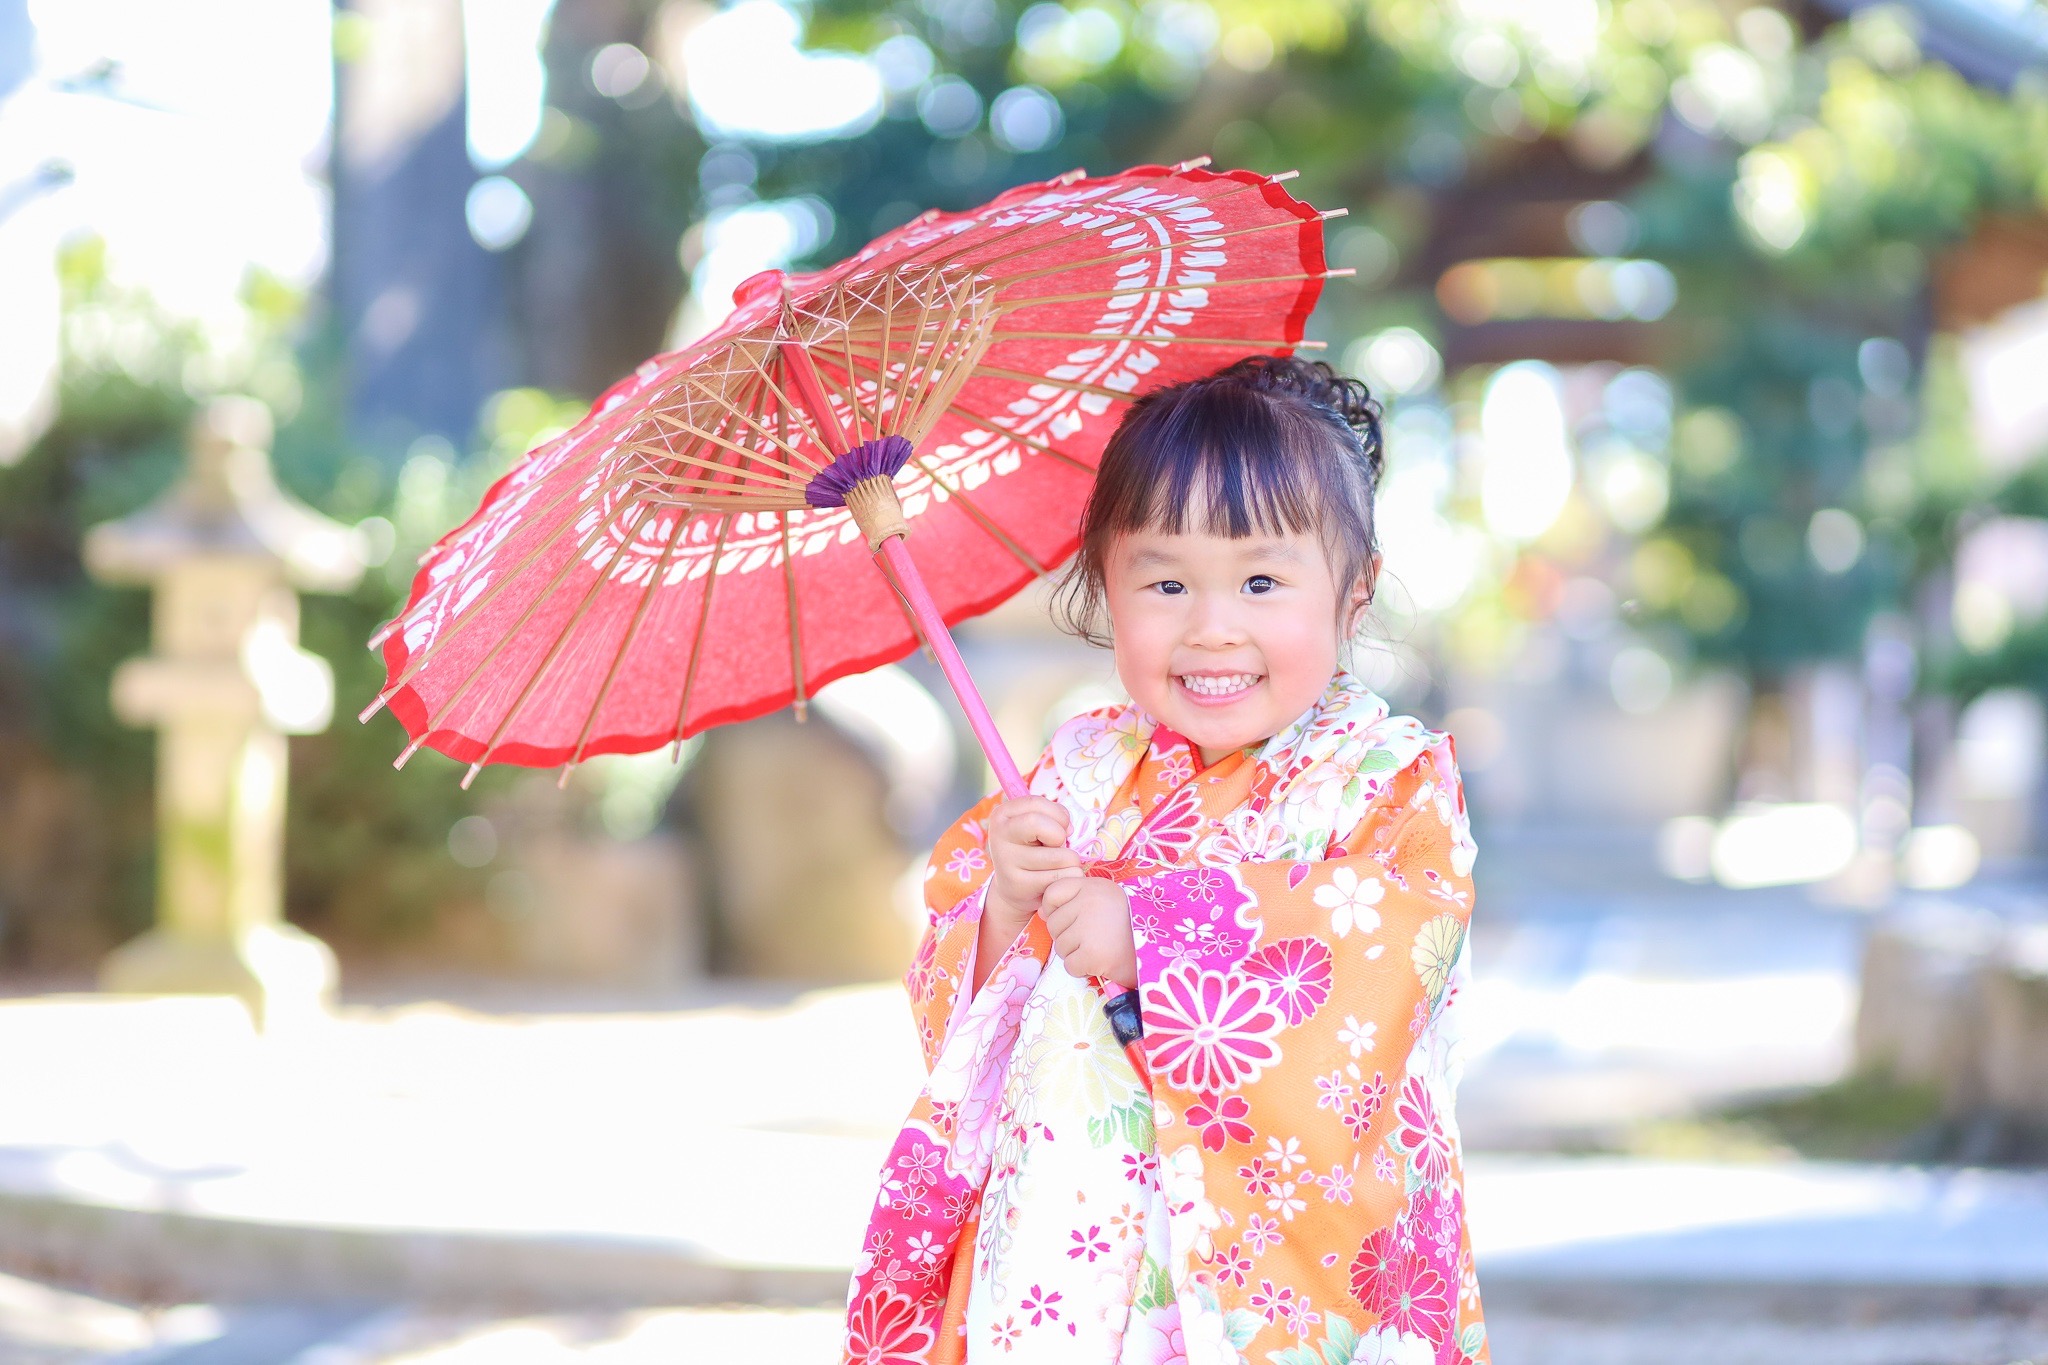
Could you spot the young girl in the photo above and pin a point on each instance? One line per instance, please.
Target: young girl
(1281, 869)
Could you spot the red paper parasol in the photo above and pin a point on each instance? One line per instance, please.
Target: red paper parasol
(697, 550)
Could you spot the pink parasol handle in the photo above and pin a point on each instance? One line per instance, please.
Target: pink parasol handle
(904, 570)
(1125, 1020)
(1119, 1004)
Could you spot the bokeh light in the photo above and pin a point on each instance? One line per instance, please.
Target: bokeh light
(1527, 472)
(736, 55)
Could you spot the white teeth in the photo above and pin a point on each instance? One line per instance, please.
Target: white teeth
(1214, 686)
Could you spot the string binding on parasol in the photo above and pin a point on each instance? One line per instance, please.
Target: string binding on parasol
(862, 481)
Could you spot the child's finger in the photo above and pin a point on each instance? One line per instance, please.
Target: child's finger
(1035, 827)
(1048, 820)
(1038, 858)
(1057, 923)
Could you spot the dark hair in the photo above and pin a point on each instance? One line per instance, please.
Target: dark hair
(1267, 445)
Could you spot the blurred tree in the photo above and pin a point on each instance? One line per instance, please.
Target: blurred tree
(1798, 175)
(416, 302)
(614, 176)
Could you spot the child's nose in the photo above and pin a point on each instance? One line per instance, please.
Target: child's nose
(1214, 624)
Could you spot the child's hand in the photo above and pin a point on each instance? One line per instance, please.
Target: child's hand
(1090, 919)
(1027, 843)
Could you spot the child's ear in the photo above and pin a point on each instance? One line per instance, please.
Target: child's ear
(1361, 595)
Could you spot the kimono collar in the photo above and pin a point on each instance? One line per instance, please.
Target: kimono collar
(1302, 788)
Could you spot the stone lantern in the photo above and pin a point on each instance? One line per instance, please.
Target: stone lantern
(223, 551)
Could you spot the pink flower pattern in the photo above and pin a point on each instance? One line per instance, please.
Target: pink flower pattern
(1297, 971)
(1422, 1134)
(1208, 1031)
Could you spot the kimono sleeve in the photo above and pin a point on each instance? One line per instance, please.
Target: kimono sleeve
(954, 879)
(1376, 925)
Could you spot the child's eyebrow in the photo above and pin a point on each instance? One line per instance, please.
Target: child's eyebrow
(1286, 554)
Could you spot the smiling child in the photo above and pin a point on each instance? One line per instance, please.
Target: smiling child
(1281, 869)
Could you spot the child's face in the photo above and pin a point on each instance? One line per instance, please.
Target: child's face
(1226, 641)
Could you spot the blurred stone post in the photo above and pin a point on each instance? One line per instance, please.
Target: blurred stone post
(222, 552)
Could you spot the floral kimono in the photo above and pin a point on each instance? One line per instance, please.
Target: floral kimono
(1292, 1189)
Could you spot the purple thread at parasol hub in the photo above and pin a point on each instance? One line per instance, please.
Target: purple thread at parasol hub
(879, 458)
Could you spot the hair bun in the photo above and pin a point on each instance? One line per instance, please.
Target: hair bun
(1317, 382)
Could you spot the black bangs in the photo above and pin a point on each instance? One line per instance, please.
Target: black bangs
(1226, 461)
(1270, 445)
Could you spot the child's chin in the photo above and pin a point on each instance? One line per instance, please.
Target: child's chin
(1203, 732)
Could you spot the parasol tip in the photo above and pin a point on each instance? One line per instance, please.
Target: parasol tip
(363, 717)
(1193, 163)
(767, 284)
(470, 776)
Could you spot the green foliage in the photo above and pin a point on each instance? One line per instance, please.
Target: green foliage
(2021, 660)
(1339, 1345)
(1240, 1325)
(1155, 1287)
(1130, 1123)
(366, 856)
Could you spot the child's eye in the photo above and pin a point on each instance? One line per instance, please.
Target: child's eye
(1259, 582)
(1171, 588)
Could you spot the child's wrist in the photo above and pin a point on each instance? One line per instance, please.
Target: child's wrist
(997, 907)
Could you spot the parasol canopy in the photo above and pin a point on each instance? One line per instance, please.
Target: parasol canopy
(697, 549)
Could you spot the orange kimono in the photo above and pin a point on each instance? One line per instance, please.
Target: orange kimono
(1291, 1191)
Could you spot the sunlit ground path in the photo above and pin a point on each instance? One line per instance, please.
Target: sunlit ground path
(72, 1330)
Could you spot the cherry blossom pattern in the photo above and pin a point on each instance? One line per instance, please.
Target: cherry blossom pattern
(1041, 1304)
(1221, 1121)
(1360, 1036)
(1200, 916)
(966, 862)
(1297, 972)
(1350, 899)
(1209, 1031)
(1090, 1243)
(1359, 1113)
(1232, 1265)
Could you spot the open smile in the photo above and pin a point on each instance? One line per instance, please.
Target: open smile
(1218, 689)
